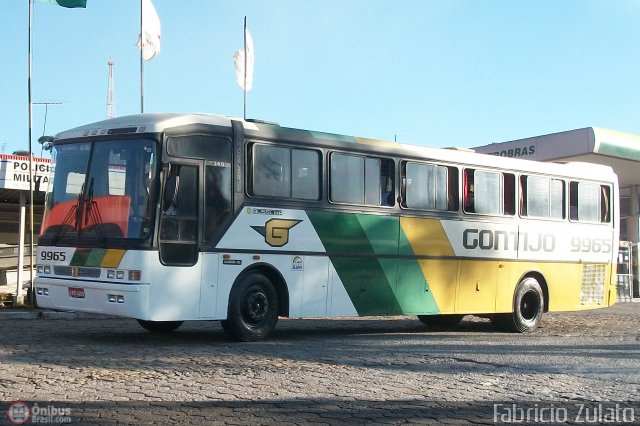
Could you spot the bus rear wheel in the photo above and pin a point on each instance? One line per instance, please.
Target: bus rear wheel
(160, 326)
(451, 320)
(528, 307)
(253, 308)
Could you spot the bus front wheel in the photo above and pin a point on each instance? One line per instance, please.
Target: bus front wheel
(160, 326)
(253, 308)
(528, 306)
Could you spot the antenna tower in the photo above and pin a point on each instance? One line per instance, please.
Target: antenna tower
(111, 97)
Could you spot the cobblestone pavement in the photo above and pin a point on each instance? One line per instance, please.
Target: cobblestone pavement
(340, 371)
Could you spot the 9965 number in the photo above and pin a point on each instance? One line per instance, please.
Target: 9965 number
(56, 256)
(590, 245)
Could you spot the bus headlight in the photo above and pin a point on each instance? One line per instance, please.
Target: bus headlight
(43, 269)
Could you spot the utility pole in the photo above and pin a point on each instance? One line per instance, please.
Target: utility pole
(19, 298)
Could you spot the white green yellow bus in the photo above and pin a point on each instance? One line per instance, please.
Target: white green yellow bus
(168, 218)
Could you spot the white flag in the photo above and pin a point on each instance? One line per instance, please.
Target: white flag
(150, 31)
(243, 74)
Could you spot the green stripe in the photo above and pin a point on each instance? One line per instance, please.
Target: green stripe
(412, 292)
(376, 286)
(365, 281)
(88, 257)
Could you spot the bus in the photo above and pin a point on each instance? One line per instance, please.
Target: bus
(167, 218)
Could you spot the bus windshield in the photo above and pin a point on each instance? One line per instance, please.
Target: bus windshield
(102, 193)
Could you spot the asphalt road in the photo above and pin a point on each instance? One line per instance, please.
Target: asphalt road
(577, 368)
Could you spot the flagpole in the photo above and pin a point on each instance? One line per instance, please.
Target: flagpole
(141, 63)
(244, 87)
(30, 62)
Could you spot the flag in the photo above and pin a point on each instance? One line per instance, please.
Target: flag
(150, 31)
(67, 3)
(242, 57)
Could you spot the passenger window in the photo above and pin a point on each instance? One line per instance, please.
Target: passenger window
(285, 172)
(271, 171)
(487, 192)
(347, 179)
(361, 180)
(305, 177)
(372, 181)
(428, 187)
(589, 202)
(556, 199)
(542, 197)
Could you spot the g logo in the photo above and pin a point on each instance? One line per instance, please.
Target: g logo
(276, 231)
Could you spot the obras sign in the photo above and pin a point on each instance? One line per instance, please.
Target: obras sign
(516, 152)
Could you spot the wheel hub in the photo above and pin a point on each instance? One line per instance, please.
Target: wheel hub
(256, 306)
(529, 306)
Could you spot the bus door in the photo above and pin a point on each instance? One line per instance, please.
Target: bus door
(216, 217)
(178, 235)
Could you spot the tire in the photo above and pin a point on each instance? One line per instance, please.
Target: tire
(160, 326)
(528, 307)
(451, 320)
(253, 308)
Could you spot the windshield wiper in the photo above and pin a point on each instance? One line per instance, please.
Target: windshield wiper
(92, 214)
(74, 212)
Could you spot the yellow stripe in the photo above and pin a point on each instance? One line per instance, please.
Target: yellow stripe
(426, 236)
(112, 258)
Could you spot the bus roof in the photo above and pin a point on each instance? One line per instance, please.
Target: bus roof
(161, 122)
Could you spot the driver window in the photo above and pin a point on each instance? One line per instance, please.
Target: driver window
(217, 200)
(179, 227)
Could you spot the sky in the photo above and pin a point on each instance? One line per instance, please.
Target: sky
(436, 73)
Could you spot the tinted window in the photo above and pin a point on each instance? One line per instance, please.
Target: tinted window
(372, 181)
(217, 200)
(347, 179)
(271, 171)
(361, 180)
(306, 174)
(285, 172)
(199, 146)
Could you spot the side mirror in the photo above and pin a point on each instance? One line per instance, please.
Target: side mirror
(170, 196)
